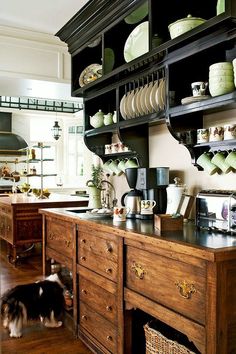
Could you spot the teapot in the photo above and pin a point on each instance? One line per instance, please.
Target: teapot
(97, 120)
(108, 119)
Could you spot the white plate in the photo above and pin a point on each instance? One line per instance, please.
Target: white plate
(158, 94)
(99, 215)
(122, 112)
(142, 100)
(90, 74)
(153, 102)
(148, 98)
(130, 113)
(138, 101)
(137, 42)
(163, 95)
(192, 99)
(134, 103)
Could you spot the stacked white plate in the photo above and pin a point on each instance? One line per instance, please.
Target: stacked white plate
(234, 69)
(144, 100)
(221, 78)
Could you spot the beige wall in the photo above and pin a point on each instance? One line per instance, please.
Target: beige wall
(166, 151)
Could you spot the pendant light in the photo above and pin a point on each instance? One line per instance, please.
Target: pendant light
(56, 129)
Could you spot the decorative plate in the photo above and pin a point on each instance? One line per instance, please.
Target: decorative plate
(90, 74)
(137, 15)
(109, 60)
(122, 111)
(137, 42)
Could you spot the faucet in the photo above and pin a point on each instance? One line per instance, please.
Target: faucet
(106, 195)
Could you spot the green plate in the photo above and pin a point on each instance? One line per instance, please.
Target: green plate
(109, 60)
(138, 14)
(137, 42)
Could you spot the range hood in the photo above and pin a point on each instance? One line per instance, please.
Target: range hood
(10, 144)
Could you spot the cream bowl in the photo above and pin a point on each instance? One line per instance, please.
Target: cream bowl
(221, 72)
(221, 65)
(220, 89)
(221, 79)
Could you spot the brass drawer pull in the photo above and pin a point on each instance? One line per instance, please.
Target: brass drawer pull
(83, 291)
(109, 308)
(138, 270)
(84, 318)
(185, 289)
(108, 270)
(109, 338)
(83, 258)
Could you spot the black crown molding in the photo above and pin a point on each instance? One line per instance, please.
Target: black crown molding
(94, 17)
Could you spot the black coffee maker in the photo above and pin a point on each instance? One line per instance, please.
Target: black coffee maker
(152, 182)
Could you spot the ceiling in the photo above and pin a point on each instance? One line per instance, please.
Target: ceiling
(46, 16)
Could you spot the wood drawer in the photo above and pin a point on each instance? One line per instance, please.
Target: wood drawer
(60, 236)
(172, 283)
(99, 299)
(98, 254)
(6, 228)
(101, 329)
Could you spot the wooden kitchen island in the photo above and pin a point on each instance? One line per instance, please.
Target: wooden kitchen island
(20, 222)
(125, 273)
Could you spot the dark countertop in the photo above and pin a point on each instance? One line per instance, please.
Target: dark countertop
(146, 232)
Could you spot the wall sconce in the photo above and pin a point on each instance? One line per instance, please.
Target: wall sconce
(56, 130)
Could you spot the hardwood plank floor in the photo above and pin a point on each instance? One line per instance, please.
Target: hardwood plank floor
(36, 338)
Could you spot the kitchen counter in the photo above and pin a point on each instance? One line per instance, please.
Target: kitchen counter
(185, 279)
(147, 232)
(20, 222)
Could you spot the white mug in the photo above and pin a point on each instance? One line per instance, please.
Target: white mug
(119, 213)
(147, 206)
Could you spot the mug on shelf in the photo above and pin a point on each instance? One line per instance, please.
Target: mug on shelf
(114, 167)
(119, 213)
(204, 161)
(107, 149)
(147, 206)
(229, 131)
(219, 160)
(202, 135)
(216, 133)
(106, 167)
(199, 88)
(132, 163)
(121, 165)
(231, 159)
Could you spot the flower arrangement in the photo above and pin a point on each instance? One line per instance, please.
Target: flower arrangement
(96, 177)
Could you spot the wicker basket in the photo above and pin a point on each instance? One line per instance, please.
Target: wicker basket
(157, 343)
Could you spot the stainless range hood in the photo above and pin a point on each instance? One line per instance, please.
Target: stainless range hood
(10, 144)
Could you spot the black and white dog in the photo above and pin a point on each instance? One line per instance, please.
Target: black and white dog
(42, 300)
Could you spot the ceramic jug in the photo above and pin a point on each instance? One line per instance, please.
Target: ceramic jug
(97, 120)
(108, 119)
(174, 194)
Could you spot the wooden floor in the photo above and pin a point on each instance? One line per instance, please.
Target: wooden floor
(36, 338)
